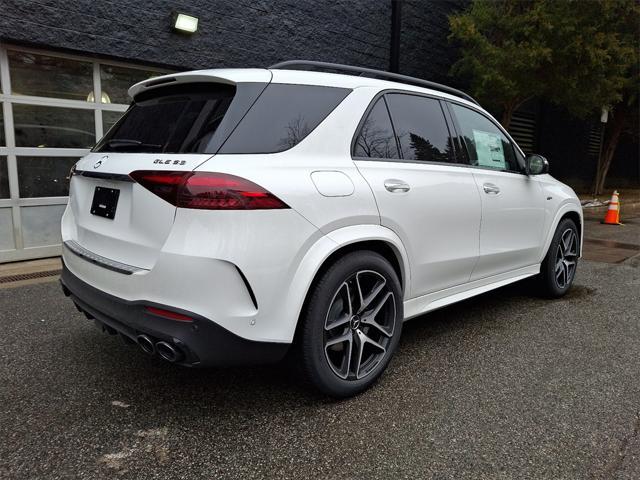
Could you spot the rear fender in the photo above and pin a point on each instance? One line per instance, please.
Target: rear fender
(317, 255)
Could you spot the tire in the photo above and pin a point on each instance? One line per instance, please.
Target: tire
(558, 269)
(336, 324)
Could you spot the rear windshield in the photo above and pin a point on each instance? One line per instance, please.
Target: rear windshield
(173, 119)
(185, 118)
(283, 115)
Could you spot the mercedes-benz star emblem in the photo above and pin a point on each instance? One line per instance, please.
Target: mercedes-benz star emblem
(100, 162)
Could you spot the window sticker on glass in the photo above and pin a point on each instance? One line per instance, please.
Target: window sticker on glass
(489, 150)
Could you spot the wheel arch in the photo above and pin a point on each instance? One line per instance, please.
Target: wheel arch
(336, 245)
(571, 211)
(575, 216)
(387, 250)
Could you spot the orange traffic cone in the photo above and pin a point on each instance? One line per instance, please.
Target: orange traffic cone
(612, 216)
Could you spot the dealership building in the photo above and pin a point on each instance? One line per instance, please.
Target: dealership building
(65, 67)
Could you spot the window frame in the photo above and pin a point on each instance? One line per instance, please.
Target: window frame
(365, 117)
(460, 160)
(465, 148)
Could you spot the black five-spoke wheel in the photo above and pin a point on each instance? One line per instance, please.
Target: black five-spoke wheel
(351, 324)
(359, 325)
(558, 269)
(566, 257)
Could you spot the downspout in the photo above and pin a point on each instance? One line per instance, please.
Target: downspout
(396, 25)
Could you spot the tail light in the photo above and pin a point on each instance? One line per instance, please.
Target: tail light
(161, 312)
(207, 191)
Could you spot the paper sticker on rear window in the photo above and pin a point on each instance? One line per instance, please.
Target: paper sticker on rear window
(489, 150)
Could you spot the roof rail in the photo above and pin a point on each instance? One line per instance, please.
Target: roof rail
(376, 73)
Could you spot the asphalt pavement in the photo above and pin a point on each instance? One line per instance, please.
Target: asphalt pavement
(502, 386)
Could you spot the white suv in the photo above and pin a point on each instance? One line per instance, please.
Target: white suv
(233, 215)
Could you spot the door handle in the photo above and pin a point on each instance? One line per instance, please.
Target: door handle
(396, 186)
(491, 189)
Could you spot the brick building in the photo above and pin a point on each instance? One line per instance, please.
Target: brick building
(65, 67)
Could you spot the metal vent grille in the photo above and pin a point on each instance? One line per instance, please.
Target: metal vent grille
(595, 139)
(29, 276)
(523, 130)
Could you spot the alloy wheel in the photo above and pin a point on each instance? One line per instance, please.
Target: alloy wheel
(566, 258)
(359, 325)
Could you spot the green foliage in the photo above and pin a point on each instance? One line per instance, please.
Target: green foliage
(582, 54)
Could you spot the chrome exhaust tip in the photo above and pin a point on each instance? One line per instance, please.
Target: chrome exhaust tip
(168, 352)
(146, 344)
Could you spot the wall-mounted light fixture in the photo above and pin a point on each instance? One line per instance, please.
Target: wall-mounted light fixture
(184, 23)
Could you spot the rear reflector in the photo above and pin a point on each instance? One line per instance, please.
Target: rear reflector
(207, 191)
(169, 314)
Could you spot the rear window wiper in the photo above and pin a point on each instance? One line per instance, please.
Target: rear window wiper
(125, 142)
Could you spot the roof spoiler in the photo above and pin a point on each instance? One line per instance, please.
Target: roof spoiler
(230, 76)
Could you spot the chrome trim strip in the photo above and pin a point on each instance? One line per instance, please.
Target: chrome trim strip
(77, 249)
(103, 175)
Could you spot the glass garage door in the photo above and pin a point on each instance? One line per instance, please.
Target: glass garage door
(53, 108)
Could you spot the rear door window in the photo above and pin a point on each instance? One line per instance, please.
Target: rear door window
(174, 119)
(421, 128)
(376, 138)
(282, 116)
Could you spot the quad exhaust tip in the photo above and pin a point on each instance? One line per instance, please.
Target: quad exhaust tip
(146, 344)
(168, 352)
(164, 350)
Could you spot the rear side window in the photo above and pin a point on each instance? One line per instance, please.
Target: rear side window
(421, 128)
(174, 119)
(282, 116)
(376, 138)
(488, 147)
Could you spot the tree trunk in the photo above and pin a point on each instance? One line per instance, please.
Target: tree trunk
(611, 139)
(509, 109)
(507, 114)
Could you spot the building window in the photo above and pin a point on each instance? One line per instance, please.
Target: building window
(47, 76)
(53, 109)
(109, 119)
(4, 178)
(44, 176)
(53, 127)
(117, 80)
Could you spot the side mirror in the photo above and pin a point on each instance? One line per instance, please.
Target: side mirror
(536, 164)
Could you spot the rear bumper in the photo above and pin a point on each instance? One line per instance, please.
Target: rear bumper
(203, 342)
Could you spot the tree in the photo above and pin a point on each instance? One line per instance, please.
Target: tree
(582, 55)
(503, 48)
(620, 23)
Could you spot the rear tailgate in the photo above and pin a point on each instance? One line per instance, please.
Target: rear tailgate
(176, 123)
(141, 221)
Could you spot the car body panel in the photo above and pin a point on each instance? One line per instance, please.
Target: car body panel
(559, 200)
(197, 268)
(250, 271)
(142, 221)
(512, 222)
(438, 219)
